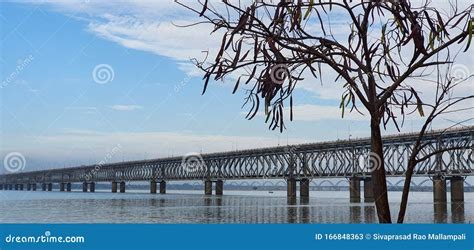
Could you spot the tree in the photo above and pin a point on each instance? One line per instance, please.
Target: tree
(388, 45)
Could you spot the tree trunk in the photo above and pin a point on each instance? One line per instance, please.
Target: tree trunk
(406, 190)
(378, 174)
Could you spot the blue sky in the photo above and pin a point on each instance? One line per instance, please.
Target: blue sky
(55, 114)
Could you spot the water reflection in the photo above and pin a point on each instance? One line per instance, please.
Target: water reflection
(171, 208)
(369, 214)
(457, 212)
(440, 212)
(355, 214)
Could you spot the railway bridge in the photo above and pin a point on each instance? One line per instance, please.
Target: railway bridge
(295, 164)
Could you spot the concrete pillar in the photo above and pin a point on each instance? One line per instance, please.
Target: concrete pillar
(68, 187)
(84, 187)
(16, 187)
(50, 186)
(354, 189)
(152, 187)
(28, 187)
(33, 186)
(291, 188)
(439, 189)
(208, 187)
(122, 187)
(219, 187)
(1, 186)
(304, 188)
(11, 187)
(457, 189)
(43, 186)
(61, 187)
(368, 190)
(114, 187)
(162, 187)
(92, 187)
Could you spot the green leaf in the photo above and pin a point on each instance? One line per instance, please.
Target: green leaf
(469, 29)
(308, 11)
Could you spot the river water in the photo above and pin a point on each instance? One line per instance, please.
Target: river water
(190, 206)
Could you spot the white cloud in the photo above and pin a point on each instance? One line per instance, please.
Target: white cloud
(126, 107)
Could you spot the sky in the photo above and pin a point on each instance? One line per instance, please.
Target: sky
(87, 81)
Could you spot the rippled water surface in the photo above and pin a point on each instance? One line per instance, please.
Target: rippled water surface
(179, 206)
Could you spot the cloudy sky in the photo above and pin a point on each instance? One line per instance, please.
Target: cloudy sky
(83, 78)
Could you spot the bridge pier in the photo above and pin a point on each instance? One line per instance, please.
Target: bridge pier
(28, 187)
(43, 186)
(122, 187)
(162, 187)
(354, 189)
(368, 190)
(304, 188)
(50, 186)
(33, 186)
(208, 187)
(219, 187)
(152, 187)
(22, 187)
(291, 188)
(114, 187)
(68, 187)
(439, 189)
(84, 187)
(457, 189)
(92, 187)
(62, 186)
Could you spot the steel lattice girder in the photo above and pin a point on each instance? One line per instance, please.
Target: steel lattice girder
(316, 160)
